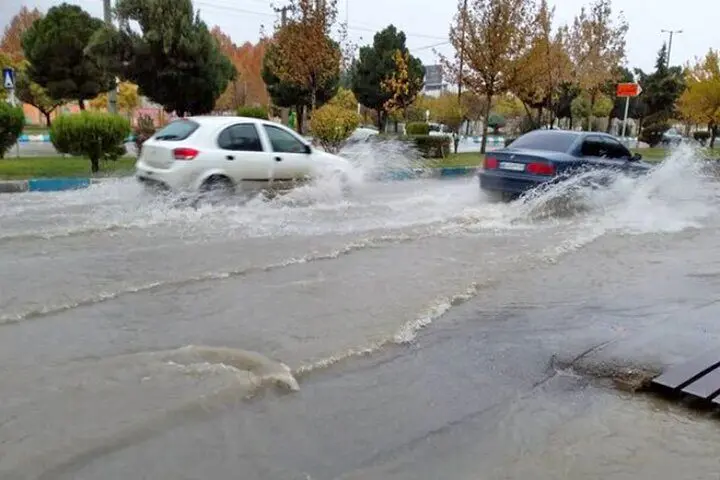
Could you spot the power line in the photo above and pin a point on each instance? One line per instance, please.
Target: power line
(349, 27)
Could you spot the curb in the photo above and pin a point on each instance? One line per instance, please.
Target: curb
(63, 184)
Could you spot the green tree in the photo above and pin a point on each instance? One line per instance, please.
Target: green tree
(377, 64)
(12, 122)
(96, 135)
(55, 48)
(173, 58)
(33, 94)
(661, 89)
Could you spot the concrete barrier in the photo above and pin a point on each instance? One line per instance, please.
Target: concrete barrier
(57, 184)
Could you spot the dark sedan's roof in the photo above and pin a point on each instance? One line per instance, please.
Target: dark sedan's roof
(549, 140)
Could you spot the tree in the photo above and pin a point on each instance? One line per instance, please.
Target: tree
(661, 89)
(305, 56)
(490, 38)
(96, 135)
(55, 48)
(33, 94)
(12, 122)
(596, 46)
(377, 64)
(401, 85)
(11, 43)
(290, 95)
(451, 112)
(248, 88)
(543, 68)
(127, 99)
(701, 101)
(173, 58)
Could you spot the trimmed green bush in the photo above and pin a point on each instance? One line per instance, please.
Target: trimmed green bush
(12, 122)
(332, 125)
(96, 135)
(417, 128)
(702, 136)
(253, 112)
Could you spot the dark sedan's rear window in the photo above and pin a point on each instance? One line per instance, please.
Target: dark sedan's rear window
(550, 141)
(177, 130)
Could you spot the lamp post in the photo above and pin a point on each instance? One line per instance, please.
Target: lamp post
(671, 32)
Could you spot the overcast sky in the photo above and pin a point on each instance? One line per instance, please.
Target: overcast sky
(426, 22)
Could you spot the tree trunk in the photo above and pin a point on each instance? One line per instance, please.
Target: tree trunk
(81, 104)
(94, 165)
(380, 122)
(713, 135)
(488, 106)
(48, 120)
(299, 112)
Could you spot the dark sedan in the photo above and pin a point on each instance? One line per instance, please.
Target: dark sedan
(543, 156)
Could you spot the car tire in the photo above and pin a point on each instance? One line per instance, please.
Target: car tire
(216, 188)
(497, 196)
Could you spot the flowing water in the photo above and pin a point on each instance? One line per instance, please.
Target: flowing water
(408, 329)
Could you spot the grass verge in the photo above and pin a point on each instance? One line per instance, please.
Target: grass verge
(24, 168)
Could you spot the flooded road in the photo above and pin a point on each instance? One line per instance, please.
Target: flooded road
(411, 330)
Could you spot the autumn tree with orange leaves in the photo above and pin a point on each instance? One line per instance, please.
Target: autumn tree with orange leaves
(11, 43)
(248, 89)
(304, 54)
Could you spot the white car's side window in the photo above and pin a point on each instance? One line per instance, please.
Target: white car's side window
(242, 137)
(284, 142)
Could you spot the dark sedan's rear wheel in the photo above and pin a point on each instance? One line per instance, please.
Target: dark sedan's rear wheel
(497, 196)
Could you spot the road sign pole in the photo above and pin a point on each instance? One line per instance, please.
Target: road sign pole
(625, 117)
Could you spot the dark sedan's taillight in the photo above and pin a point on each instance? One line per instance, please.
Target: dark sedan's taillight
(540, 168)
(490, 163)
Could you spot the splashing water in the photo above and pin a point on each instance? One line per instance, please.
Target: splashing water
(674, 195)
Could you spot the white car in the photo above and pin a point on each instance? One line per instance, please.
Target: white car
(225, 154)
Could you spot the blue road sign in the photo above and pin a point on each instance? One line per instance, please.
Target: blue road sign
(8, 78)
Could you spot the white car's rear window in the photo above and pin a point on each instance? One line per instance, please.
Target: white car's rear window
(176, 130)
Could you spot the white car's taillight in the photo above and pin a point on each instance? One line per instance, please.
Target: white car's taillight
(185, 153)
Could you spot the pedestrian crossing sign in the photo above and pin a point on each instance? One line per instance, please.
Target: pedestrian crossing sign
(8, 78)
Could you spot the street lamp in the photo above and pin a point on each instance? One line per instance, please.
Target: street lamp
(671, 32)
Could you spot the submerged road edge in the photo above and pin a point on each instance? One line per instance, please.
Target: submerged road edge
(62, 184)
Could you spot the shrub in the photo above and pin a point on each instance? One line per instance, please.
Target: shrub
(12, 122)
(496, 122)
(702, 136)
(253, 112)
(332, 125)
(417, 128)
(96, 135)
(652, 134)
(144, 129)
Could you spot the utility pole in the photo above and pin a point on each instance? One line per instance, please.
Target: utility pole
(283, 14)
(462, 49)
(671, 32)
(112, 94)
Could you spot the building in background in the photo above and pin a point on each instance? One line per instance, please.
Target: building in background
(434, 82)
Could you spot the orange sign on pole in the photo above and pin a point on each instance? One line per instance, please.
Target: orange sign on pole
(628, 90)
